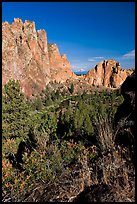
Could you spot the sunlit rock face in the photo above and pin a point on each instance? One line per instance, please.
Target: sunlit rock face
(59, 65)
(108, 74)
(26, 56)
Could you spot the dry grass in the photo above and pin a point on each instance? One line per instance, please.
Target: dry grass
(111, 170)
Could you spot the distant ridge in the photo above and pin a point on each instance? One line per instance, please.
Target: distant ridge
(81, 73)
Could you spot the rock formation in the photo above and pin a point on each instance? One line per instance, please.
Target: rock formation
(107, 74)
(27, 56)
(59, 65)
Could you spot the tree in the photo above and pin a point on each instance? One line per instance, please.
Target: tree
(71, 89)
(38, 104)
(15, 112)
(48, 123)
(48, 101)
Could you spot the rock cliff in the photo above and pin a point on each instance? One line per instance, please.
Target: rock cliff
(27, 56)
(107, 74)
(59, 65)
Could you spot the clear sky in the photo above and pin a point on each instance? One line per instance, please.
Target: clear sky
(88, 32)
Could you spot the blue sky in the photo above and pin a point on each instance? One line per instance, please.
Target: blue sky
(88, 32)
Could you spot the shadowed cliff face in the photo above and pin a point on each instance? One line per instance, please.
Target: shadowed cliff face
(125, 117)
(27, 56)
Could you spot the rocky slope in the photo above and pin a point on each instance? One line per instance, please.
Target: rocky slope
(27, 56)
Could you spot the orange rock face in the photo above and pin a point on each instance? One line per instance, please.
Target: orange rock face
(27, 57)
(107, 74)
(59, 65)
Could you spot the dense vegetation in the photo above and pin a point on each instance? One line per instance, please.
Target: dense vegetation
(48, 137)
